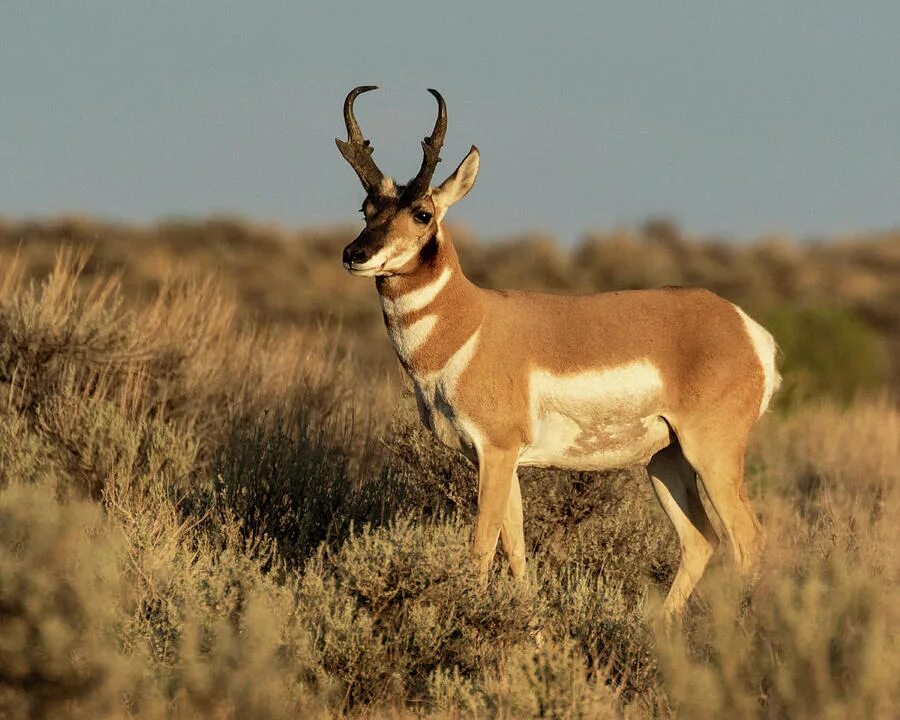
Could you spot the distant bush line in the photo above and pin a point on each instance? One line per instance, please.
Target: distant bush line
(833, 304)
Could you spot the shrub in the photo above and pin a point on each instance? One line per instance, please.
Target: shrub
(199, 520)
(395, 605)
(826, 352)
(814, 638)
(552, 682)
(59, 607)
(812, 646)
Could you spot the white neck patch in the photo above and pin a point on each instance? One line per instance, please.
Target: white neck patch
(417, 299)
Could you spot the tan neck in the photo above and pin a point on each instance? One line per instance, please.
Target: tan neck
(432, 311)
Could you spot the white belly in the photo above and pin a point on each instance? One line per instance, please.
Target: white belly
(596, 420)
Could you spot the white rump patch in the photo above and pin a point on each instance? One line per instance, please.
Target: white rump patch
(766, 349)
(599, 419)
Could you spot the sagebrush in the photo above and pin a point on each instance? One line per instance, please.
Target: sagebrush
(199, 518)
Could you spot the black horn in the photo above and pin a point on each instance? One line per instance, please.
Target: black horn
(357, 150)
(431, 148)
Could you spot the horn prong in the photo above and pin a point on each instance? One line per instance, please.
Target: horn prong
(356, 149)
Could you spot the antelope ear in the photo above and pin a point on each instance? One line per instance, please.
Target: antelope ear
(457, 186)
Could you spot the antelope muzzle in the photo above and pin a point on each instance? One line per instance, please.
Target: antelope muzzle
(363, 256)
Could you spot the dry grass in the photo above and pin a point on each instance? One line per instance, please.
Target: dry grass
(202, 519)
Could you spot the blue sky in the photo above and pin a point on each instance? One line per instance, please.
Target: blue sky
(731, 117)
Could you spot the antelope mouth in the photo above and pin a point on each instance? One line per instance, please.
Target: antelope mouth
(363, 270)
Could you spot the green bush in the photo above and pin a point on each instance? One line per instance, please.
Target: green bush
(826, 351)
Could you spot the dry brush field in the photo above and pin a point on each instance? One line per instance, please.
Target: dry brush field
(215, 499)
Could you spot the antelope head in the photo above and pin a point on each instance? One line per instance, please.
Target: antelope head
(403, 222)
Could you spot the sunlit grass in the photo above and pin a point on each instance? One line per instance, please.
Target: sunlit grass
(203, 519)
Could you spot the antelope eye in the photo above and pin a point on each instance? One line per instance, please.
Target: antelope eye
(422, 217)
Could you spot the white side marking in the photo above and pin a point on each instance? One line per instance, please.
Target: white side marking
(617, 386)
(764, 345)
(417, 299)
(598, 418)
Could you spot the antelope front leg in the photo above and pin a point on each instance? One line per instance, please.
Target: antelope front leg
(496, 469)
(512, 534)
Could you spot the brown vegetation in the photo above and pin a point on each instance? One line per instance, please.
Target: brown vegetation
(295, 279)
(199, 517)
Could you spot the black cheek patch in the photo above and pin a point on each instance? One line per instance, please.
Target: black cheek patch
(429, 250)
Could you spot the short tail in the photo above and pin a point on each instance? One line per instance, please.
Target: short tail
(767, 352)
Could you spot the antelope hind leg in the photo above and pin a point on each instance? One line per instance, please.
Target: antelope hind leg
(675, 483)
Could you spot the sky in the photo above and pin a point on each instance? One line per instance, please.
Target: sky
(731, 118)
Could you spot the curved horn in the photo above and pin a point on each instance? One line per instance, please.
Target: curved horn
(431, 148)
(357, 150)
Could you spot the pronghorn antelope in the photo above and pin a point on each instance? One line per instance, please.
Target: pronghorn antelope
(673, 379)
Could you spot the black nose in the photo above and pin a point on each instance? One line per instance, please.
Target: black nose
(354, 254)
